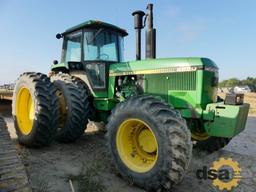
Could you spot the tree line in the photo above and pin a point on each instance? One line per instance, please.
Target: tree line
(250, 81)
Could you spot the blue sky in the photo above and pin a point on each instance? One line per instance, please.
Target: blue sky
(223, 30)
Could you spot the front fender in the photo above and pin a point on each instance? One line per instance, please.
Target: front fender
(58, 66)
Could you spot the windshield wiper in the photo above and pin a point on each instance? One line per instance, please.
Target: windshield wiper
(96, 34)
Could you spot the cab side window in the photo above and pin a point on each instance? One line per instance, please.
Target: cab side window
(72, 47)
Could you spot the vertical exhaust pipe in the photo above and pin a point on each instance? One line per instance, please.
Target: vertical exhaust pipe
(150, 35)
(138, 25)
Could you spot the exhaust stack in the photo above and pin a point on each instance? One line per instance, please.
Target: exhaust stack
(150, 35)
(138, 25)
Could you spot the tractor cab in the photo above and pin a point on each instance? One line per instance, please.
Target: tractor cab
(91, 47)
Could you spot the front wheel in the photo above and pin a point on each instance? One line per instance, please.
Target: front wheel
(149, 142)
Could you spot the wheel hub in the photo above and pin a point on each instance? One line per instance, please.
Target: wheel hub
(137, 145)
(146, 141)
(25, 111)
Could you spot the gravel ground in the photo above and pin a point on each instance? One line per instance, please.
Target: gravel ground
(86, 164)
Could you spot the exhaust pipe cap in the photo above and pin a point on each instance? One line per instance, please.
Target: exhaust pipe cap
(138, 19)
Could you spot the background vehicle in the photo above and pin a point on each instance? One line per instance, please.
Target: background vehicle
(152, 107)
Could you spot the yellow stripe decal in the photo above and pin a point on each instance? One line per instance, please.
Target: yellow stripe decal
(155, 71)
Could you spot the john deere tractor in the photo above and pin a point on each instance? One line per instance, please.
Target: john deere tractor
(153, 108)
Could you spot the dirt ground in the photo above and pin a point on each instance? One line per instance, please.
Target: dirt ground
(86, 164)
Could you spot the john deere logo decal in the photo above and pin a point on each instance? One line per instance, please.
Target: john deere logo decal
(224, 173)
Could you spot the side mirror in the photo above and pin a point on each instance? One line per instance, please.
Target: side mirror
(55, 62)
(58, 36)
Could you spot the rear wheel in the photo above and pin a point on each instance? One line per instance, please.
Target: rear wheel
(74, 107)
(149, 142)
(35, 109)
(82, 85)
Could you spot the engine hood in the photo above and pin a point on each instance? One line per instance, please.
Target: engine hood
(163, 65)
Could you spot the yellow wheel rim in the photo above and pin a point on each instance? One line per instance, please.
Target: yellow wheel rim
(137, 145)
(63, 108)
(199, 136)
(25, 111)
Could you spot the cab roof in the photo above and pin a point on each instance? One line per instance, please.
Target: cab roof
(96, 23)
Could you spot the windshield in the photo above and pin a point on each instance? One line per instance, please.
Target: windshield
(100, 45)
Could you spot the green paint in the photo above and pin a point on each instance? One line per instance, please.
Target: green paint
(162, 63)
(191, 91)
(104, 104)
(184, 90)
(111, 87)
(188, 84)
(225, 120)
(100, 94)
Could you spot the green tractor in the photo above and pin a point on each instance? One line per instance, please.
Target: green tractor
(153, 108)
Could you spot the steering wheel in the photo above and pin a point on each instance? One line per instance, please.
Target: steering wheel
(102, 55)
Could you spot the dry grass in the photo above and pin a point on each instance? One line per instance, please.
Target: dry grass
(248, 98)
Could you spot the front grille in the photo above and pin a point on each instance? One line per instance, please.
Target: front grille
(179, 81)
(184, 81)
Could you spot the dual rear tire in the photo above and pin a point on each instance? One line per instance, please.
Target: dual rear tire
(45, 110)
(73, 107)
